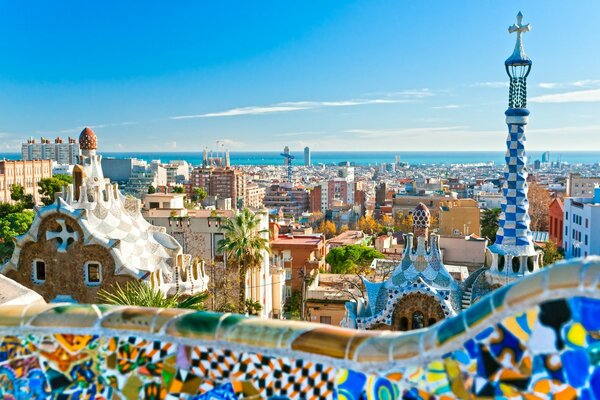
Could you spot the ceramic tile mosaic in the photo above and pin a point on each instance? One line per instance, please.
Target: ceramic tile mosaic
(507, 345)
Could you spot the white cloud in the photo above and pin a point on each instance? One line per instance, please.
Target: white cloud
(292, 134)
(173, 145)
(577, 96)
(447, 107)
(491, 84)
(584, 83)
(385, 133)
(412, 93)
(242, 111)
(295, 106)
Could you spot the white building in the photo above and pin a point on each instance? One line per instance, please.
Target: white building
(59, 151)
(582, 226)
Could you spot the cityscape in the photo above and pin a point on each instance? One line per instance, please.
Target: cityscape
(307, 261)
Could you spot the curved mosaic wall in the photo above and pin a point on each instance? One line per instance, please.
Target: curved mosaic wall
(537, 338)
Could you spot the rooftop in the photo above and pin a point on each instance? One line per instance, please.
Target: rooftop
(300, 240)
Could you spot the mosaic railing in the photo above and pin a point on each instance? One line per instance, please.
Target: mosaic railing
(539, 336)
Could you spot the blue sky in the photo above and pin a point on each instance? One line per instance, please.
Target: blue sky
(334, 75)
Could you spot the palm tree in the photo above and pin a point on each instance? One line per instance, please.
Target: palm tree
(245, 245)
(139, 293)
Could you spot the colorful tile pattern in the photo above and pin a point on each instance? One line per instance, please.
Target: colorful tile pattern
(508, 345)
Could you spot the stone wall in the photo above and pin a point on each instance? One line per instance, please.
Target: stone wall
(65, 271)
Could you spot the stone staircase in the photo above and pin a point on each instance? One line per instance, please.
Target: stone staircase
(466, 299)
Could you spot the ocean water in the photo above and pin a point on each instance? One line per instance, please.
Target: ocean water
(356, 157)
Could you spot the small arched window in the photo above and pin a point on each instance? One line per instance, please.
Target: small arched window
(418, 320)
(501, 261)
(531, 263)
(38, 271)
(93, 273)
(403, 324)
(516, 264)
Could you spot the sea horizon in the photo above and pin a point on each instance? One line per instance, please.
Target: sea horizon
(359, 158)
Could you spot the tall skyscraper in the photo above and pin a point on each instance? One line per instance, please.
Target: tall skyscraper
(513, 251)
(286, 160)
(307, 156)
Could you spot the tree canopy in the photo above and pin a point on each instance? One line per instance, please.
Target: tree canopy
(49, 186)
(327, 228)
(368, 225)
(347, 259)
(11, 225)
(178, 189)
(489, 223)
(198, 194)
(17, 193)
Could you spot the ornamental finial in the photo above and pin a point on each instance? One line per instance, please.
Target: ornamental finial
(518, 56)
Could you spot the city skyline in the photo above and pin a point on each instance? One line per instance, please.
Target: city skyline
(331, 77)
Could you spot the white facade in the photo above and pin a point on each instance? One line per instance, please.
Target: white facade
(582, 226)
(62, 153)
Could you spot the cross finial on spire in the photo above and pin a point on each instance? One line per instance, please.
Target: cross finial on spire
(519, 57)
(519, 27)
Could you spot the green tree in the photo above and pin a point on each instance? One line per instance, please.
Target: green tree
(489, 223)
(17, 193)
(198, 194)
(552, 253)
(49, 186)
(11, 225)
(347, 259)
(151, 189)
(245, 245)
(178, 189)
(142, 294)
(253, 307)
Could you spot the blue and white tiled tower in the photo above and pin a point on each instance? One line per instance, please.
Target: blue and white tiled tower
(513, 252)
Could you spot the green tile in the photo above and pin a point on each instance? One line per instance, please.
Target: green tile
(478, 311)
(449, 329)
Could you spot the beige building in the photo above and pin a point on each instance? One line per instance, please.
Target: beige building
(468, 251)
(579, 186)
(24, 173)
(199, 233)
(459, 217)
(254, 196)
(326, 297)
(405, 204)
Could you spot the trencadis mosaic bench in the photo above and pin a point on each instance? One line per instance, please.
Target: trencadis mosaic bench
(537, 338)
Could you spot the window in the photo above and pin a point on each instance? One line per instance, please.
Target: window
(586, 240)
(39, 271)
(93, 273)
(325, 319)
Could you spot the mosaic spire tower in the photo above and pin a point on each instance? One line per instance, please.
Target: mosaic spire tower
(514, 242)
